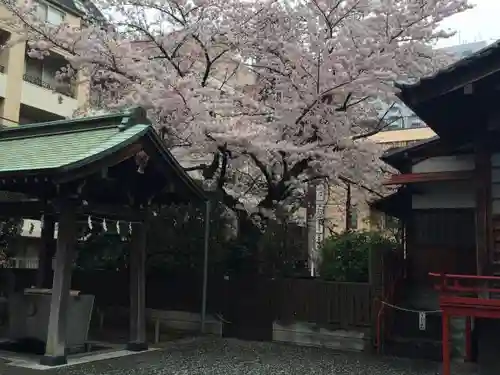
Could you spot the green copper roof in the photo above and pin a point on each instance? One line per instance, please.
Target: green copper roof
(54, 148)
(67, 143)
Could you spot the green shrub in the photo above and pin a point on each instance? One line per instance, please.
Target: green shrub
(345, 256)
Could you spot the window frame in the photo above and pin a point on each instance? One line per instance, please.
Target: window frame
(49, 9)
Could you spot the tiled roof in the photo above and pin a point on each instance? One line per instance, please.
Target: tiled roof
(58, 147)
(62, 144)
(453, 68)
(60, 150)
(397, 157)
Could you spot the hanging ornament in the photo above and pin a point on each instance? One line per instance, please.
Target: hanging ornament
(104, 225)
(129, 228)
(89, 222)
(118, 227)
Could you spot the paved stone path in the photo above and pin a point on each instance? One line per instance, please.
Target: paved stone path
(208, 356)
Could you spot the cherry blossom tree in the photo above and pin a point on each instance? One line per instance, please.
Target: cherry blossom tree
(257, 98)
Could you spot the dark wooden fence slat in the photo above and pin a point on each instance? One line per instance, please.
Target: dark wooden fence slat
(338, 304)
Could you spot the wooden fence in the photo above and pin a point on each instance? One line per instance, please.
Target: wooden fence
(338, 304)
(342, 304)
(163, 291)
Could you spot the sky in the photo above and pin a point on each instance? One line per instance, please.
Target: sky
(480, 23)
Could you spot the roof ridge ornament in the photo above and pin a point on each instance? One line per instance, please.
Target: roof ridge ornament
(133, 116)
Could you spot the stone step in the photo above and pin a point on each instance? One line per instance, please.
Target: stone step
(305, 334)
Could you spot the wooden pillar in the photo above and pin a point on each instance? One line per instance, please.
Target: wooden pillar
(55, 351)
(482, 177)
(137, 261)
(376, 279)
(468, 339)
(446, 343)
(46, 253)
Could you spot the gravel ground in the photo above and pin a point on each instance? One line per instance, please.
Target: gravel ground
(206, 356)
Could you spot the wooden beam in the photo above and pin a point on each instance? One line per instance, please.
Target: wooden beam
(482, 187)
(138, 341)
(34, 209)
(70, 174)
(413, 178)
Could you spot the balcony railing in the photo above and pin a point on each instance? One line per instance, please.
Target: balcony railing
(64, 90)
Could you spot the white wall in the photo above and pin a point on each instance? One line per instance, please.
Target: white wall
(445, 164)
(453, 194)
(3, 85)
(33, 228)
(48, 100)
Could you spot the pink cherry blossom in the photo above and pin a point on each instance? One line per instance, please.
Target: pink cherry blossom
(255, 97)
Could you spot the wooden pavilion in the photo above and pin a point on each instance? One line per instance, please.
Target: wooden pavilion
(450, 195)
(112, 166)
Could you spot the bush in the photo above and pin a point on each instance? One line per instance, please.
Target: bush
(345, 256)
(10, 229)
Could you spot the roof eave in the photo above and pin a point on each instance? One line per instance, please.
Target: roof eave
(134, 139)
(454, 77)
(399, 158)
(195, 190)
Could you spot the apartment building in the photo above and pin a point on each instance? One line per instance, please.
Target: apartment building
(404, 129)
(29, 91)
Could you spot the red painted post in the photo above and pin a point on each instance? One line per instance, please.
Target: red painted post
(446, 344)
(468, 339)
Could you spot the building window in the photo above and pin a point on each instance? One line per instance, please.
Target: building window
(4, 37)
(49, 14)
(394, 122)
(80, 6)
(4, 52)
(43, 73)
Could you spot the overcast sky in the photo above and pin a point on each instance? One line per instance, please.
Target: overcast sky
(480, 23)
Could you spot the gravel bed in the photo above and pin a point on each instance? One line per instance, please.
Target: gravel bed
(207, 356)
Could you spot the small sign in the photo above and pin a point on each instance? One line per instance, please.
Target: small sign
(320, 211)
(320, 194)
(421, 321)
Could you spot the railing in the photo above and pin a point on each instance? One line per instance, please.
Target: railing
(454, 283)
(465, 295)
(64, 90)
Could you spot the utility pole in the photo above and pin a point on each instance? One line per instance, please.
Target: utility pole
(311, 199)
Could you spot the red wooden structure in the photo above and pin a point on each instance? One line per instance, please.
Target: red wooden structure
(468, 296)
